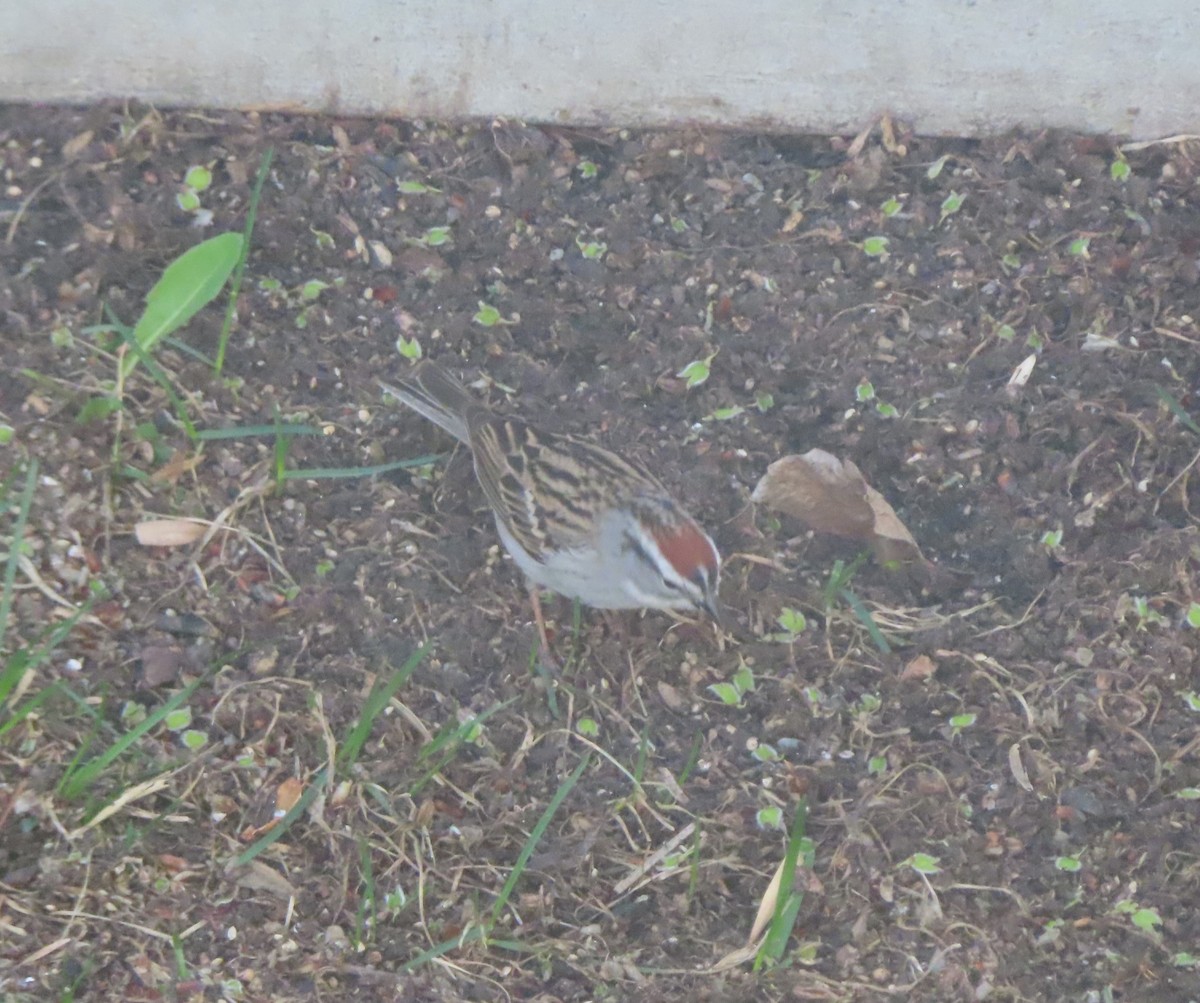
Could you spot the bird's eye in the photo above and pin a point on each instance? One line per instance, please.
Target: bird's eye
(673, 586)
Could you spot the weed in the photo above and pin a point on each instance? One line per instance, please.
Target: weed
(697, 372)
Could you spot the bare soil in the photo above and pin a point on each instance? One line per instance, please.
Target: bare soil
(1029, 739)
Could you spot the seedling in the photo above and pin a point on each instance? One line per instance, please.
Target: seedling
(436, 236)
(1119, 169)
(875, 247)
(731, 693)
(1079, 247)
(1193, 615)
(923, 863)
(416, 188)
(198, 179)
(726, 413)
(409, 348)
(960, 722)
(936, 168)
(770, 817)
(765, 753)
(697, 372)
(1145, 919)
(792, 624)
(891, 207)
(487, 315)
(593, 250)
(950, 205)
(587, 169)
(1145, 613)
(1052, 540)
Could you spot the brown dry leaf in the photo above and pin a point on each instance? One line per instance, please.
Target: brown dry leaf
(921, 667)
(892, 542)
(795, 218)
(179, 464)
(257, 876)
(161, 664)
(1020, 774)
(168, 532)
(831, 496)
(670, 696)
(821, 491)
(74, 146)
(766, 908)
(287, 794)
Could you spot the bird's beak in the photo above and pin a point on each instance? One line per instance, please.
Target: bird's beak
(711, 606)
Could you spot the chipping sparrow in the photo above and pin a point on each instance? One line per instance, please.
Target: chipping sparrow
(578, 519)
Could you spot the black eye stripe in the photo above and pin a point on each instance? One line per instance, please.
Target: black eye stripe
(634, 544)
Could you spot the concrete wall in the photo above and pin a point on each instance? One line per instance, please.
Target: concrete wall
(945, 66)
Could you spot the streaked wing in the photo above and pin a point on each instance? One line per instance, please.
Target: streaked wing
(548, 488)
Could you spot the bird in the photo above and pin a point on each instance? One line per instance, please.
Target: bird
(577, 519)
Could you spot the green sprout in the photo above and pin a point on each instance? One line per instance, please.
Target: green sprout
(416, 188)
(697, 372)
(875, 247)
(593, 250)
(409, 348)
(770, 817)
(1052, 540)
(792, 624)
(950, 205)
(731, 693)
(923, 863)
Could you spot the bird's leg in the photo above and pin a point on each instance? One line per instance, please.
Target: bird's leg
(547, 656)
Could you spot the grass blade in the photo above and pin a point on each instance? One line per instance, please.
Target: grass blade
(14, 549)
(380, 695)
(78, 780)
(535, 837)
(239, 269)
(276, 832)
(332, 473)
(255, 431)
(1177, 410)
(450, 739)
(868, 621)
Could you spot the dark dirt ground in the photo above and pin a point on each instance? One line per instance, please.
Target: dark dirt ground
(1062, 816)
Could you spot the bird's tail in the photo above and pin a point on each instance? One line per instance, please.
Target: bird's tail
(431, 391)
